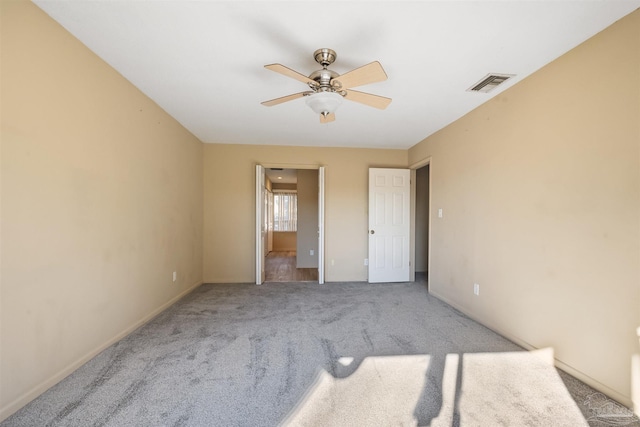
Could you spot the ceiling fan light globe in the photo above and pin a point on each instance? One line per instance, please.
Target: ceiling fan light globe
(324, 102)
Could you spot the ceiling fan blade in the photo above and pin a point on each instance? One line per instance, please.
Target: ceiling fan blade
(277, 101)
(375, 101)
(279, 68)
(366, 74)
(328, 118)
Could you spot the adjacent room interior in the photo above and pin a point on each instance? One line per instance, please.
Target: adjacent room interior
(291, 243)
(127, 187)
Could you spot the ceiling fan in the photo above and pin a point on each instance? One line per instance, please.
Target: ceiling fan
(329, 88)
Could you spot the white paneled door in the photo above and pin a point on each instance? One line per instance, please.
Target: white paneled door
(389, 226)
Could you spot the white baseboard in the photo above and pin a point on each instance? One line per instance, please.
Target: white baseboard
(36, 391)
(604, 389)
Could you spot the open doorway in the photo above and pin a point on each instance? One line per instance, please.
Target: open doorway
(422, 224)
(291, 240)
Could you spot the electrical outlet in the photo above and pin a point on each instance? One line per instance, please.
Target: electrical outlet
(311, 252)
(476, 289)
(333, 262)
(439, 213)
(366, 261)
(175, 276)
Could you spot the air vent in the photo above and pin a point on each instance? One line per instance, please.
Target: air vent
(489, 82)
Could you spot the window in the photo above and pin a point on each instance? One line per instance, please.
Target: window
(285, 212)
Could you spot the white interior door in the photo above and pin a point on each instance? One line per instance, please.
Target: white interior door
(260, 223)
(389, 225)
(321, 225)
(269, 221)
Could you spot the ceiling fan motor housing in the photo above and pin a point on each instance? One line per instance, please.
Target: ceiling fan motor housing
(323, 78)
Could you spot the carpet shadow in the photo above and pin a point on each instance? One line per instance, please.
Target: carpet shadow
(505, 388)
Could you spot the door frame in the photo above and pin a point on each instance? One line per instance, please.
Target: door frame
(413, 167)
(321, 225)
(260, 191)
(259, 261)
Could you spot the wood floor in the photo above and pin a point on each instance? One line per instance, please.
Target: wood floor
(281, 267)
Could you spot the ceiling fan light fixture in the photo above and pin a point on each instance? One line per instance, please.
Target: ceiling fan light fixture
(324, 102)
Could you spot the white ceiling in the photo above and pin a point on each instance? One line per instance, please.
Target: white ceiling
(202, 61)
(284, 176)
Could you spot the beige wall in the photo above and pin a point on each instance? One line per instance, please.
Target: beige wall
(540, 191)
(278, 186)
(307, 219)
(229, 177)
(284, 241)
(101, 202)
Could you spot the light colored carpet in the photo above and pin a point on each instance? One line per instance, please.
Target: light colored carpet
(342, 354)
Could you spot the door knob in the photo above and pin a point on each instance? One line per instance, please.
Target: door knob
(373, 232)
